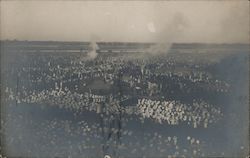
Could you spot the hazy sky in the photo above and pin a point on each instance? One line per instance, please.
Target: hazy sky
(140, 21)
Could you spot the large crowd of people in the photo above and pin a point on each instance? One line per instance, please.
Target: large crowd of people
(199, 113)
(174, 112)
(132, 143)
(164, 91)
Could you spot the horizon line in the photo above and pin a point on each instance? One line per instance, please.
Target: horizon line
(96, 41)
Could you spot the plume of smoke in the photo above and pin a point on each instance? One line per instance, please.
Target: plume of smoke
(166, 36)
(92, 54)
(158, 49)
(163, 36)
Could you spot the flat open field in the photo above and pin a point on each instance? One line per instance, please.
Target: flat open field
(189, 102)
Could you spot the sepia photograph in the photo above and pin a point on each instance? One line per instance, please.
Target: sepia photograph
(124, 79)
